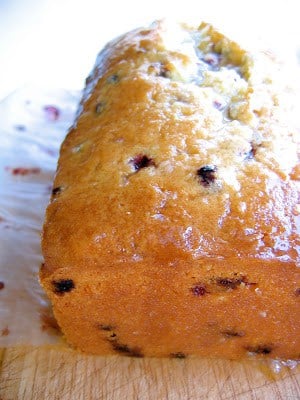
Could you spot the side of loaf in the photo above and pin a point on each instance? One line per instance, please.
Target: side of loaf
(173, 226)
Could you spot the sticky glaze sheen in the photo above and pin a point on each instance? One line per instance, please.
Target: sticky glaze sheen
(179, 200)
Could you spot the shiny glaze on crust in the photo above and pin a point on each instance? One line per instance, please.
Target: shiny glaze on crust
(178, 207)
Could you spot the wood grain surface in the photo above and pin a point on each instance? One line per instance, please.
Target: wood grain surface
(55, 373)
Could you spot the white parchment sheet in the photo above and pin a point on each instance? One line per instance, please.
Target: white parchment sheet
(33, 122)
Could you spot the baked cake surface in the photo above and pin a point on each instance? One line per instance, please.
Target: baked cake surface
(173, 227)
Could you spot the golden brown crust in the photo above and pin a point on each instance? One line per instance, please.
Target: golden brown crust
(173, 222)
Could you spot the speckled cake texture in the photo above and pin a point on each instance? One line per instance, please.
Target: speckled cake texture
(173, 226)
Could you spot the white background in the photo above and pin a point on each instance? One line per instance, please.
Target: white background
(53, 43)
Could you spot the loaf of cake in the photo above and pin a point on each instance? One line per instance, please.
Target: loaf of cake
(173, 226)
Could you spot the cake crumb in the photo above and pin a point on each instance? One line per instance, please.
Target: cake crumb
(5, 331)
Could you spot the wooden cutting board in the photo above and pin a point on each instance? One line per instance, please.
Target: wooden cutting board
(57, 373)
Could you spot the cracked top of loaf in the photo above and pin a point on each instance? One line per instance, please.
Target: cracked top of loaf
(182, 149)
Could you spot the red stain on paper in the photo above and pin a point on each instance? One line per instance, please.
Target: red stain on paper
(23, 170)
(52, 112)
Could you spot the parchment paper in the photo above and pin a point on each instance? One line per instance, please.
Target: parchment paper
(33, 122)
